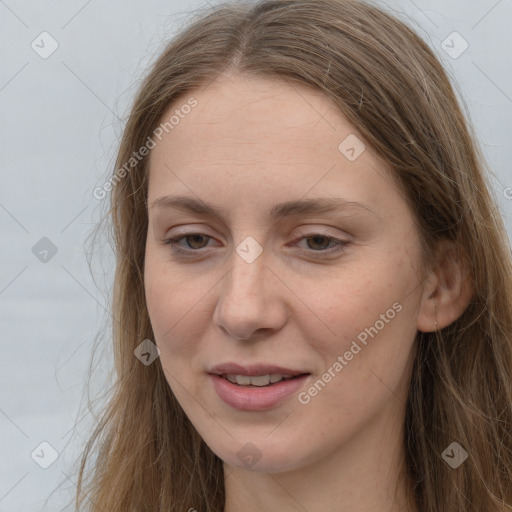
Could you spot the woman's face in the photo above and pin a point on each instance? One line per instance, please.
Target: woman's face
(294, 255)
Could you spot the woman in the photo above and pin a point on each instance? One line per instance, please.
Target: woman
(312, 295)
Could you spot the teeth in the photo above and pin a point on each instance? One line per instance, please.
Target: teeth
(257, 380)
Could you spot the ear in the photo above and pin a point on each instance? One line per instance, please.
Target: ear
(447, 289)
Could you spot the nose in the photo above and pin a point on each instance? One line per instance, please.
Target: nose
(250, 300)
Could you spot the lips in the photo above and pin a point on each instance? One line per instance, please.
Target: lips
(253, 398)
(254, 370)
(255, 387)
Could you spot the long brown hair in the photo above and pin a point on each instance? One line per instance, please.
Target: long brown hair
(393, 89)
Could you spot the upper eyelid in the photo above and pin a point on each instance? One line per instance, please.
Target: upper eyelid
(300, 236)
(304, 230)
(173, 240)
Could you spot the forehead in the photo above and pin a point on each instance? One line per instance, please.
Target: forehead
(261, 138)
(253, 112)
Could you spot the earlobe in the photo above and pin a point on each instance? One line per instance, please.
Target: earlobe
(447, 290)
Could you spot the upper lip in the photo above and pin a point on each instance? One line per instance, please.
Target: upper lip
(252, 370)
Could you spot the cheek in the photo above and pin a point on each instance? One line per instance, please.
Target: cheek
(174, 310)
(371, 320)
(357, 296)
(172, 302)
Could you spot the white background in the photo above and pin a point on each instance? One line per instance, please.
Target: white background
(61, 118)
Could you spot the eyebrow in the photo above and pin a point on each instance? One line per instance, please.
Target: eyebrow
(279, 211)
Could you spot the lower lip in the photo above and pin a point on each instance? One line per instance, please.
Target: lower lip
(254, 398)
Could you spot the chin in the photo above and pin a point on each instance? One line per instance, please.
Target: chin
(260, 456)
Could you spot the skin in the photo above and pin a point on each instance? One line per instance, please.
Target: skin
(248, 145)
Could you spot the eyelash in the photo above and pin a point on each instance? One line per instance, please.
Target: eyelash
(173, 243)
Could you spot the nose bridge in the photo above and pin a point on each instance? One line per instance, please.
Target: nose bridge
(245, 281)
(244, 302)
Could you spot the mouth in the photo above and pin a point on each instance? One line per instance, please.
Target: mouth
(258, 391)
(257, 375)
(258, 381)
